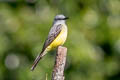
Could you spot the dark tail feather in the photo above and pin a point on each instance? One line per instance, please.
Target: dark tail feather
(39, 57)
(36, 62)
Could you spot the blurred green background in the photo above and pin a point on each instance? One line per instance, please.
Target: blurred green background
(93, 40)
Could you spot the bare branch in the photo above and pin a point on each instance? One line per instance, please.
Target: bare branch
(58, 71)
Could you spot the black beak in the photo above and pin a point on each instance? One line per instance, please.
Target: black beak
(66, 18)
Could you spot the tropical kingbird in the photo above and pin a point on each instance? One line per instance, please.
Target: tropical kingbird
(56, 37)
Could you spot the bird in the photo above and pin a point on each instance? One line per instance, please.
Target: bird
(56, 37)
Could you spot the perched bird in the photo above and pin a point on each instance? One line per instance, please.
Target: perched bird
(56, 37)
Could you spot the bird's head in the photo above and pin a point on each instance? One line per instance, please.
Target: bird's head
(60, 17)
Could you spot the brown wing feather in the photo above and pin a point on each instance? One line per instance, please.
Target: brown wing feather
(54, 32)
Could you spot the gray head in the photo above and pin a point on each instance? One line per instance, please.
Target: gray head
(60, 18)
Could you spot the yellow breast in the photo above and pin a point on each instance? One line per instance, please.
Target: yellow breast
(60, 39)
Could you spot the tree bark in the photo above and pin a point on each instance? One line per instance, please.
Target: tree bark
(58, 71)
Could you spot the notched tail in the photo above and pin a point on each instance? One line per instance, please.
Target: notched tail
(36, 62)
(39, 57)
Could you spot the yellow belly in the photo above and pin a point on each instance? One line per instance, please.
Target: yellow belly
(60, 39)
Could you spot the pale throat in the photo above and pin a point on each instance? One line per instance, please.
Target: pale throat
(59, 22)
